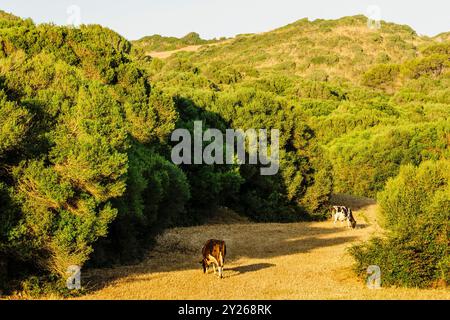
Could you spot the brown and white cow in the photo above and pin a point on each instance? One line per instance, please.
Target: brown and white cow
(214, 252)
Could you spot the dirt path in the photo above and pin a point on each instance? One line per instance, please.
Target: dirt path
(265, 261)
(193, 48)
(166, 54)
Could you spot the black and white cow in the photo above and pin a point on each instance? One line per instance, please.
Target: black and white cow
(341, 213)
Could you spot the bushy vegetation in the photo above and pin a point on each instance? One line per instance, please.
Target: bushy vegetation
(85, 171)
(381, 75)
(160, 43)
(364, 161)
(415, 208)
(366, 133)
(85, 120)
(77, 115)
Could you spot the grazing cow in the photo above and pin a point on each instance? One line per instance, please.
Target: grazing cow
(214, 252)
(342, 214)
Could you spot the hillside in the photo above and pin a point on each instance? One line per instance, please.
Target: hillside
(86, 116)
(337, 48)
(358, 89)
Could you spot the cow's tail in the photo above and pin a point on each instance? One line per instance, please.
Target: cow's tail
(224, 250)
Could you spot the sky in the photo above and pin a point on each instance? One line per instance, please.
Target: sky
(225, 18)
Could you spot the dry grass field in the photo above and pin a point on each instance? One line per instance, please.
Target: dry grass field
(264, 261)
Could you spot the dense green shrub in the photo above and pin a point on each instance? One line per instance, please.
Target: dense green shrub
(77, 117)
(415, 208)
(433, 65)
(320, 90)
(221, 73)
(14, 123)
(439, 48)
(160, 43)
(156, 194)
(381, 75)
(362, 162)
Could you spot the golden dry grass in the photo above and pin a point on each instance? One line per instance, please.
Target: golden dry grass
(264, 261)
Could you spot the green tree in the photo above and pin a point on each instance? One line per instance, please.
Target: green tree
(415, 208)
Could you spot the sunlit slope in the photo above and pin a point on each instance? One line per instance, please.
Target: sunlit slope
(375, 99)
(343, 47)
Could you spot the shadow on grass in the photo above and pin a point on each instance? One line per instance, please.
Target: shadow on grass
(249, 268)
(353, 202)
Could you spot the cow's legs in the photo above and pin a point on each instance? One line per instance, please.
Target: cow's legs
(214, 268)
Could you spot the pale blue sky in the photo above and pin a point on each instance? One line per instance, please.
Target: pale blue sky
(217, 18)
